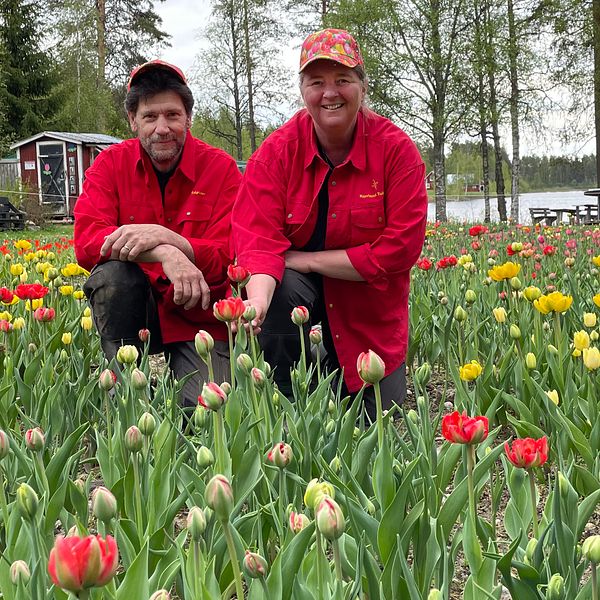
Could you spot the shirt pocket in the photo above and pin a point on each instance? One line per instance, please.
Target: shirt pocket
(367, 221)
(296, 214)
(192, 221)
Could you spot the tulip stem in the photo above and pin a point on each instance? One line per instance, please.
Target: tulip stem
(84, 595)
(282, 495)
(319, 566)
(302, 354)
(594, 581)
(39, 462)
(533, 503)
(198, 574)
(237, 575)
(318, 362)
(337, 558)
(231, 353)
(265, 588)
(108, 477)
(138, 496)
(209, 365)
(4, 506)
(557, 336)
(379, 407)
(470, 484)
(219, 444)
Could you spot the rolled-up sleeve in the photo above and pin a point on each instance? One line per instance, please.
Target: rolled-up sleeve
(398, 247)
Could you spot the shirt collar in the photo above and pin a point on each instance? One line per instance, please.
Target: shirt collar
(357, 155)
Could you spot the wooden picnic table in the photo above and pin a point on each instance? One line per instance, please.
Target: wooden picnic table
(588, 213)
(594, 192)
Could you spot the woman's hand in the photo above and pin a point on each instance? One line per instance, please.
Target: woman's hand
(260, 290)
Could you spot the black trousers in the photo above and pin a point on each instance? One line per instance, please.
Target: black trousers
(123, 303)
(280, 340)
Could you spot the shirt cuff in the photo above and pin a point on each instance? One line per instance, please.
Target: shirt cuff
(263, 263)
(364, 261)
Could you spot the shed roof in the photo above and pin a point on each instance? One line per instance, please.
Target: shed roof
(99, 139)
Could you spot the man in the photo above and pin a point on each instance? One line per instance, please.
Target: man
(153, 225)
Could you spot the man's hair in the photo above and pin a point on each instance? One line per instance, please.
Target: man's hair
(154, 81)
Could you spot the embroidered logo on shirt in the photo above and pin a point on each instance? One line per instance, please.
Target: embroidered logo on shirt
(375, 195)
(197, 193)
(375, 184)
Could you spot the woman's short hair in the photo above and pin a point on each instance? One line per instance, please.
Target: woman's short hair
(155, 81)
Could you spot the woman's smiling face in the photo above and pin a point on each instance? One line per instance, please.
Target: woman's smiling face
(333, 95)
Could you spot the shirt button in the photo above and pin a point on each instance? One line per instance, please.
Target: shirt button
(188, 213)
(169, 219)
(333, 183)
(380, 219)
(333, 215)
(290, 215)
(331, 306)
(132, 218)
(337, 336)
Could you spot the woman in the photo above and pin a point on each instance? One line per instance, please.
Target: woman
(331, 215)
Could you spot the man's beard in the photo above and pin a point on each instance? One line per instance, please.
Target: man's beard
(166, 155)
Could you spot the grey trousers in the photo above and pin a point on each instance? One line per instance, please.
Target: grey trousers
(122, 303)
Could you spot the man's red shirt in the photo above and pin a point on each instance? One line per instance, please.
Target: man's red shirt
(121, 188)
(377, 213)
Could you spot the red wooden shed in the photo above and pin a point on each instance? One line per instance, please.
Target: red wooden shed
(53, 164)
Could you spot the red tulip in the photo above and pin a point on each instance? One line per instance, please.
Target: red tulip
(527, 453)
(424, 264)
(31, 291)
(44, 314)
(78, 563)
(6, 295)
(461, 429)
(478, 230)
(300, 315)
(238, 274)
(230, 309)
(370, 367)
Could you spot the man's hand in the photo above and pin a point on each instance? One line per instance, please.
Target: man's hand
(188, 281)
(129, 241)
(298, 261)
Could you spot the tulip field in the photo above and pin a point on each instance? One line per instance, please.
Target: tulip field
(485, 484)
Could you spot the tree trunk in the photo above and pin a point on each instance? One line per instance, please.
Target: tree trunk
(485, 159)
(439, 173)
(514, 113)
(101, 42)
(438, 114)
(249, 66)
(237, 108)
(596, 14)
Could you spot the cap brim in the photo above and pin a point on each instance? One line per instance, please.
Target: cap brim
(347, 61)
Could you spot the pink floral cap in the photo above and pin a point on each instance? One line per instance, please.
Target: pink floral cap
(331, 44)
(155, 64)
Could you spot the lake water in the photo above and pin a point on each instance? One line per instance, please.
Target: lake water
(472, 210)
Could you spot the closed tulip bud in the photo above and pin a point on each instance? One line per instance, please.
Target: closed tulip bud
(196, 523)
(144, 335)
(423, 374)
(315, 491)
(315, 335)
(413, 416)
(336, 464)
(160, 595)
(18, 323)
(553, 395)
(589, 320)
(254, 565)
(581, 339)
(470, 296)
(19, 572)
(298, 521)
(204, 457)
(226, 387)
(460, 314)
(591, 358)
(139, 381)
(435, 594)
(27, 502)
(147, 424)
(200, 417)
(329, 427)
(530, 549)
(370, 367)
(66, 338)
(569, 261)
(591, 549)
(443, 300)
(127, 355)
(331, 407)
(258, 378)
(515, 332)
(330, 519)
(499, 314)
(594, 335)
(530, 360)
(107, 380)
(86, 323)
(556, 588)
(35, 440)
(281, 455)
(4, 444)
(219, 497)
(204, 343)
(104, 504)
(212, 397)
(515, 283)
(249, 313)
(553, 349)
(133, 439)
(300, 315)
(244, 363)
(276, 399)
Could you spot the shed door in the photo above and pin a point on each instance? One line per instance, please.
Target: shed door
(52, 173)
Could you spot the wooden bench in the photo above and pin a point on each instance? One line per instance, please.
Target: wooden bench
(10, 216)
(542, 214)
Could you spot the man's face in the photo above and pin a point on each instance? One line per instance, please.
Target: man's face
(161, 124)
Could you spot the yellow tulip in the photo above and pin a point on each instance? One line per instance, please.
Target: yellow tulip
(87, 311)
(554, 302)
(589, 319)
(78, 295)
(73, 269)
(576, 353)
(506, 271)
(530, 360)
(465, 259)
(532, 293)
(581, 340)
(13, 301)
(470, 371)
(591, 358)
(33, 304)
(596, 300)
(6, 316)
(66, 338)
(22, 244)
(596, 260)
(86, 323)
(18, 323)
(499, 314)
(29, 256)
(553, 395)
(16, 269)
(66, 290)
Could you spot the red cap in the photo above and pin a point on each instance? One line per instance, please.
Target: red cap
(156, 64)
